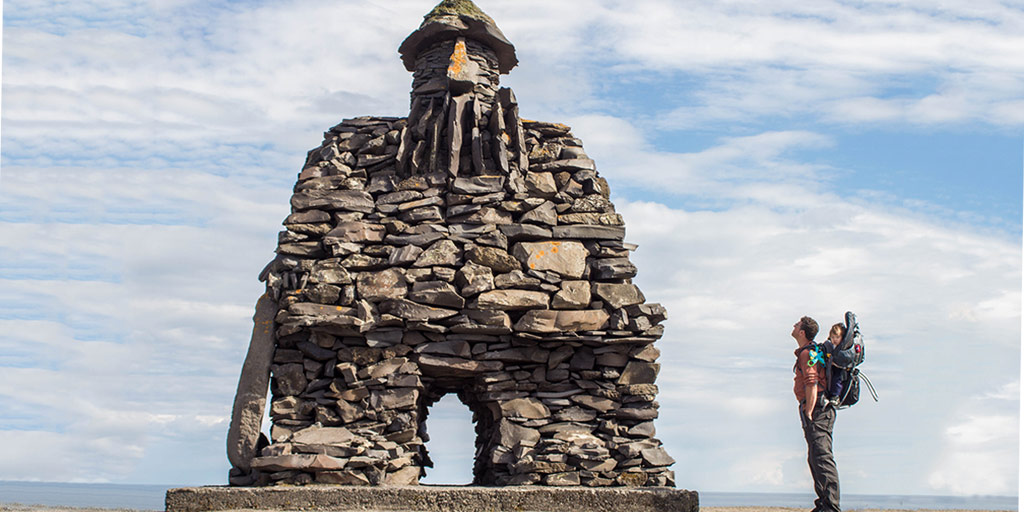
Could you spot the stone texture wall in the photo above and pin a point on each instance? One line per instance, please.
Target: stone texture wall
(512, 291)
(460, 249)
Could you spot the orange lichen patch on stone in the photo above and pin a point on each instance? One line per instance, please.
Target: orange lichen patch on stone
(568, 259)
(458, 59)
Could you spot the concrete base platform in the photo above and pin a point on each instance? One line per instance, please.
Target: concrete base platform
(428, 498)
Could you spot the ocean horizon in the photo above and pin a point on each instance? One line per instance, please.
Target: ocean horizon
(151, 497)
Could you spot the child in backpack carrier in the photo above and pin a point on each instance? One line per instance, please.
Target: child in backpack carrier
(835, 335)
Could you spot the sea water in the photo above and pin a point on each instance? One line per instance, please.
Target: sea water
(138, 497)
(859, 501)
(151, 497)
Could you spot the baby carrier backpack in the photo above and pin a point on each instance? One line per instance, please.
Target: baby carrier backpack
(841, 363)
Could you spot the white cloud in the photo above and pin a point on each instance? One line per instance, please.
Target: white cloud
(1010, 391)
(982, 431)
(756, 167)
(785, 58)
(206, 71)
(80, 423)
(772, 469)
(195, 70)
(981, 446)
(128, 325)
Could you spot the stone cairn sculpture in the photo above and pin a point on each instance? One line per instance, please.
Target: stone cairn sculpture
(462, 250)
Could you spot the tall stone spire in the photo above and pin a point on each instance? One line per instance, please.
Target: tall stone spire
(460, 122)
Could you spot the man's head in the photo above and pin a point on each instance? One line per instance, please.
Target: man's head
(805, 330)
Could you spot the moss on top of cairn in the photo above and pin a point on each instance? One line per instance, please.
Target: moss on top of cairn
(459, 8)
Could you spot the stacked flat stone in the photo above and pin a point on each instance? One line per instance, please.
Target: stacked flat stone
(458, 250)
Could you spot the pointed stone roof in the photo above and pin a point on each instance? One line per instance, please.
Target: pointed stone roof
(459, 7)
(451, 19)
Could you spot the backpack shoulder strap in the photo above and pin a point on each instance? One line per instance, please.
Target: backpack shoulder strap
(796, 365)
(810, 346)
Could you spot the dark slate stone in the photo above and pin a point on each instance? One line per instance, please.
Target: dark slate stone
(478, 185)
(414, 312)
(612, 268)
(308, 249)
(418, 240)
(354, 142)
(589, 232)
(463, 209)
(290, 379)
(308, 217)
(547, 129)
(517, 232)
(351, 200)
(436, 293)
(576, 164)
(583, 359)
(470, 230)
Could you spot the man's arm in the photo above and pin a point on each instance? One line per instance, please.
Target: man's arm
(811, 392)
(810, 374)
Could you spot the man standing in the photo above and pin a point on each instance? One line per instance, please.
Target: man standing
(817, 417)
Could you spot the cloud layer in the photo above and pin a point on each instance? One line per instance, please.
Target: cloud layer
(939, 303)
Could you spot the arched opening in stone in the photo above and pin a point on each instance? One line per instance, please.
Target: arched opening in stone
(451, 447)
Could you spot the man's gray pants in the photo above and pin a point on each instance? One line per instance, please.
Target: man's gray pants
(818, 434)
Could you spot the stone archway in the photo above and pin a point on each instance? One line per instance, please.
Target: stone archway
(458, 249)
(449, 428)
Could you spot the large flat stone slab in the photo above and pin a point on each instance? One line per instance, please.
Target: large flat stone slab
(428, 498)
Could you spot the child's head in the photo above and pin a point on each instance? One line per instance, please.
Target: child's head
(836, 333)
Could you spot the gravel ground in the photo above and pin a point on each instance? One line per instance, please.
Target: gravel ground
(781, 509)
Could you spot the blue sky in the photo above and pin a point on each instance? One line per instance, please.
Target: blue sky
(772, 159)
